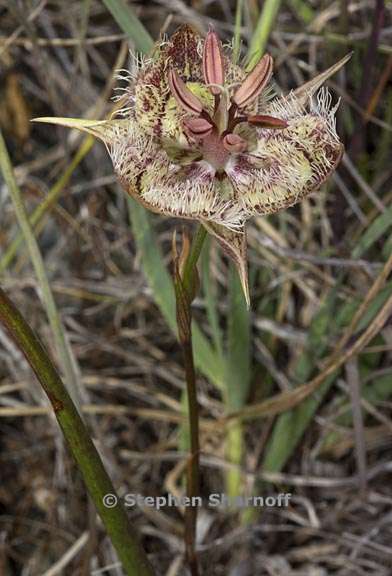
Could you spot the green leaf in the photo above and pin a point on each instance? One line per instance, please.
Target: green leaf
(291, 425)
(68, 361)
(237, 30)
(130, 24)
(238, 363)
(262, 32)
(303, 10)
(379, 227)
(238, 374)
(374, 307)
(209, 291)
(378, 390)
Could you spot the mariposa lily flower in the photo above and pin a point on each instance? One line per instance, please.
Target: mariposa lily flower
(200, 138)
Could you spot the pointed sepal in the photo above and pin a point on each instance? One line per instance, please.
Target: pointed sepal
(302, 93)
(104, 130)
(234, 246)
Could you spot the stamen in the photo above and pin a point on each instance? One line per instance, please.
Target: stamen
(183, 95)
(213, 68)
(198, 127)
(254, 82)
(234, 143)
(267, 121)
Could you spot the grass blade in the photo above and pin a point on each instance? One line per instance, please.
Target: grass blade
(79, 441)
(46, 204)
(262, 32)
(68, 362)
(291, 426)
(238, 375)
(380, 225)
(237, 30)
(130, 24)
(209, 290)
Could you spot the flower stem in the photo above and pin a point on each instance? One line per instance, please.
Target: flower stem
(97, 481)
(185, 289)
(190, 264)
(193, 469)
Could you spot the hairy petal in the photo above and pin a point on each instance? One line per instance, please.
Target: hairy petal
(183, 53)
(189, 191)
(149, 92)
(131, 153)
(288, 164)
(147, 173)
(234, 246)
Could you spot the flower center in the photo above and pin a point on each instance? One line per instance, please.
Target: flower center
(214, 134)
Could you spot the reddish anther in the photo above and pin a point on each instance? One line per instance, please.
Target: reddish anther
(213, 67)
(183, 95)
(254, 82)
(265, 121)
(198, 127)
(234, 143)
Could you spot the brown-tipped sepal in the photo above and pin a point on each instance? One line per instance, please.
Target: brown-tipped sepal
(304, 92)
(235, 247)
(105, 130)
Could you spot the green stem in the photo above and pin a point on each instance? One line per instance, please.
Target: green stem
(184, 289)
(190, 264)
(237, 31)
(193, 470)
(261, 34)
(97, 481)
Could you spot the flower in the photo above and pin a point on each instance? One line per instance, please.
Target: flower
(200, 138)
